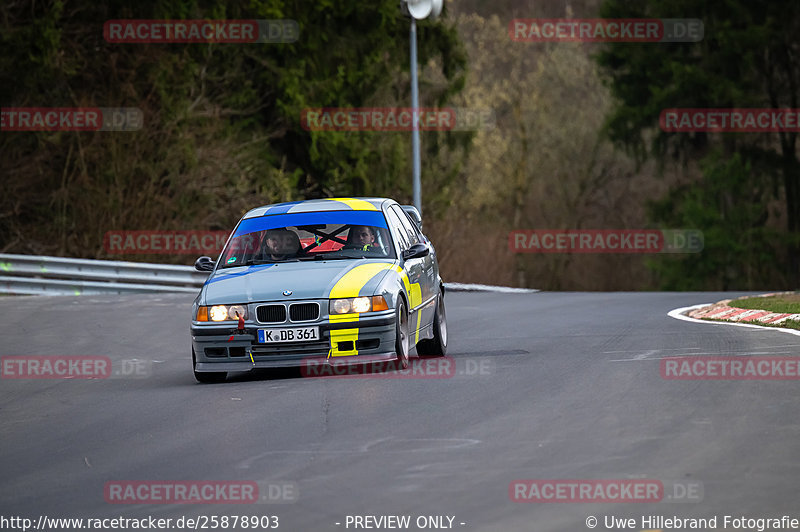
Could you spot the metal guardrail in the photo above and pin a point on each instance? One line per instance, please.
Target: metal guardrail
(58, 276)
(35, 274)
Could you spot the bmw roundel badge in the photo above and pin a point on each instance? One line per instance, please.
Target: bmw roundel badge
(287, 292)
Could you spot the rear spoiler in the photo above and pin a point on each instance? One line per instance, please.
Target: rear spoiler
(413, 213)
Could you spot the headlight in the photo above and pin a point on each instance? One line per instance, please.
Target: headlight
(218, 313)
(340, 306)
(237, 311)
(362, 304)
(354, 305)
(221, 313)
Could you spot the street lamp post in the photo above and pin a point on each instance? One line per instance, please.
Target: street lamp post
(418, 9)
(416, 162)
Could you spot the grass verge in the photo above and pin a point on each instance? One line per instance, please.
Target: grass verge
(785, 303)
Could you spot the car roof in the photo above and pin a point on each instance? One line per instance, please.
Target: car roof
(320, 205)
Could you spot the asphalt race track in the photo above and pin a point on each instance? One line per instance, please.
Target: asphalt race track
(547, 386)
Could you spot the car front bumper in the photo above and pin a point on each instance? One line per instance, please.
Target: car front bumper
(221, 348)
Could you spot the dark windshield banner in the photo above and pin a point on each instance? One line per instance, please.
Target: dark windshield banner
(261, 223)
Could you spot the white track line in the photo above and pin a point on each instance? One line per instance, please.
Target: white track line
(678, 315)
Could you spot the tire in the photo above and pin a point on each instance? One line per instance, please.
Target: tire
(436, 346)
(206, 377)
(401, 345)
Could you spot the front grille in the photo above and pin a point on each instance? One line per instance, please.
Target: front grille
(304, 312)
(271, 313)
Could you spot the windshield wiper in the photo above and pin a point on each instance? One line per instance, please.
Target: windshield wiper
(252, 262)
(330, 256)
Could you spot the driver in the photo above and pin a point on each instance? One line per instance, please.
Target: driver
(361, 237)
(281, 244)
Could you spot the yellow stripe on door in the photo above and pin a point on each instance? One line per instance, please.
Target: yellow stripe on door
(415, 295)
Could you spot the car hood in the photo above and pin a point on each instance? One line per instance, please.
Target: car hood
(306, 280)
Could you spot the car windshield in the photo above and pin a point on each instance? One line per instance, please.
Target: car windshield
(330, 235)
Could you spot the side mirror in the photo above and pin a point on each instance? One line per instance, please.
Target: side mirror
(204, 264)
(416, 251)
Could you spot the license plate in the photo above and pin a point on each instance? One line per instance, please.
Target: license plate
(288, 334)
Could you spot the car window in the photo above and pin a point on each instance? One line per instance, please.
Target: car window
(397, 225)
(408, 226)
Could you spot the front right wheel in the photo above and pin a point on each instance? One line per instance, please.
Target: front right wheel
(401, 328)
